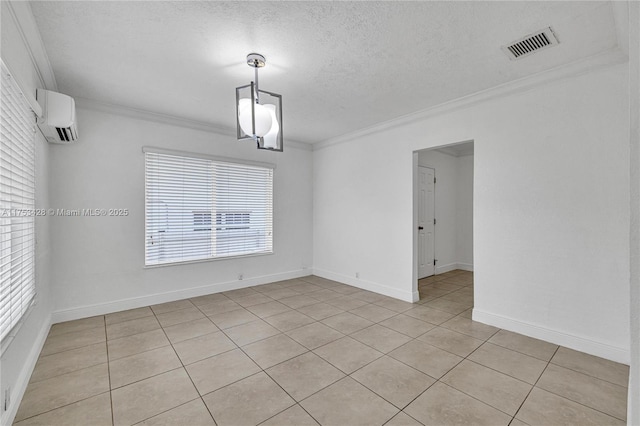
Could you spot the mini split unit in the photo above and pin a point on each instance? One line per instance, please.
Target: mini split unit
(58, 121)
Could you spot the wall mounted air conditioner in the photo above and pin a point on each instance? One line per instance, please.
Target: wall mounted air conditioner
(58, 121)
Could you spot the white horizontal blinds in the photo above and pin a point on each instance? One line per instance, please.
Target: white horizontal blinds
(17, 201)
(179, 193)
(243, 209)
(199, 208)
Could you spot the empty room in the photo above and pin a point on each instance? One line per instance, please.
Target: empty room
(320, 213)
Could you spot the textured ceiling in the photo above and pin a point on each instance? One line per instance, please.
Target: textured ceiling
(340, 66)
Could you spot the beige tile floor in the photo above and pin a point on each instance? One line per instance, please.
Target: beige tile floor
(309, 351)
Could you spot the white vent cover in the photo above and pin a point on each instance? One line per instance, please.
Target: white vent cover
(531, 43)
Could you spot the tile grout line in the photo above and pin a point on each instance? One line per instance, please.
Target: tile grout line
(70, 349)
(345, 374)
(572, 400)
(587, 374)
(537, 380)
(262, 370)
(471, 396)
(456, 389)
(502, 372)
(241, 307)
(164, 372)
(288, 408)
(185, 368)
(580, 403)
(383, 354)
(308, 351)
(149, 350)
(72, 371)
(80, 400)
(106, 344)
(438, 380)
(141, 352)
(406, 414)
(62, 406)
(76, 331)
(520, 352)
(171, 343)
(347, 335)
(130, 320)
(149, 377)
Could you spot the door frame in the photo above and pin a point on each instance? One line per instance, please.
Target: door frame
(414, 226)
(414, 221)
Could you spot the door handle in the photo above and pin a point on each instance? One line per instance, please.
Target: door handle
(420, 228)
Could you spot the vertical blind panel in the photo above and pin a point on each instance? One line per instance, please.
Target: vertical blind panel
(17, 202)
(198, 208)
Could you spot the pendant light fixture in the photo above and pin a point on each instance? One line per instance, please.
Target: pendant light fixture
(258, 112)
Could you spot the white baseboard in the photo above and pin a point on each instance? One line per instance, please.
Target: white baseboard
(154, 299)
(20, 385)
(453, 266)
(465, 266)
(407, 296)
(577, 343)
(446, 268)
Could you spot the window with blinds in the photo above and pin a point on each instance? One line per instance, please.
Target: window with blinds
(17, 205)
(199, 208)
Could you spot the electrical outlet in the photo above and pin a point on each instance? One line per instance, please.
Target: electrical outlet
(240, 277)
(7, 398)
(357, 274)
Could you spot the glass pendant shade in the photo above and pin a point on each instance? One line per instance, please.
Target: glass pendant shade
(263, 118)
(271, 137)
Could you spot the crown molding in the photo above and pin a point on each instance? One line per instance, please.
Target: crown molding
(145, 115)
(620, 11)
(141, 114)
(21, 14)
(592, 63)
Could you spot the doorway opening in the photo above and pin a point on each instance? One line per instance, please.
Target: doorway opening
(443, 227)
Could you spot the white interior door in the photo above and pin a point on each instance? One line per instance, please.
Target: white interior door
(426, 221)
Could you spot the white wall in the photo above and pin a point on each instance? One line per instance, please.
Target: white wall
(551, 217)
(453, 209)
(98, 262)
(18, 359)
(464, 213)
(633, 415)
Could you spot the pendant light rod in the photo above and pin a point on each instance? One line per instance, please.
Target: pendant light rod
(256, 61)
(257, 92)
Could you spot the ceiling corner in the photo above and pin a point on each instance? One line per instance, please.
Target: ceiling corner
(620, 11)
(25, 22)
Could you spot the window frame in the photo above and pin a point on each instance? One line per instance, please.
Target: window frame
(180, 153)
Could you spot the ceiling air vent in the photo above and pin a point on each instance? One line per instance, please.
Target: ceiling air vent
(530, 44)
